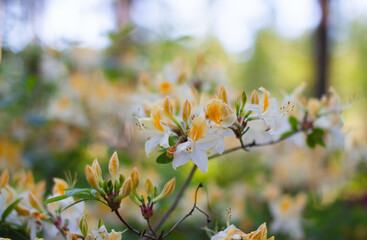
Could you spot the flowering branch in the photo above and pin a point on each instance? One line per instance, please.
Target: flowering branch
(245, 147)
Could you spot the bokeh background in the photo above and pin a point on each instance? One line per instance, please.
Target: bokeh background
(69, 70)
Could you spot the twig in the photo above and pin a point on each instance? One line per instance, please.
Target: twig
(245, 147)
(150, 228)
(189, 214)
(177, 199)
(139, 233)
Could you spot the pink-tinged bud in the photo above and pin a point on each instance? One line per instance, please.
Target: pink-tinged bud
(127, 187)
(113, 165)
(148, 187)
(254, 97)
(33, 201)
(223, 94)
(186, 111)
(97, 168)
(147, 210)
(4, 178)
(91, 177)
(135, 177)
(168, 107)
(167, 190)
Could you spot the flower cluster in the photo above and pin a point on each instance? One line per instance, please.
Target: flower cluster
(21, 205)
(112, 191)
(188, 131)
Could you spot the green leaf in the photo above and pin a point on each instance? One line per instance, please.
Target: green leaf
(172, 140)
(56, 199)
(10, 208)
(163, 159)
(316, 138)
(76, 202)
(310, 141)
(74, 191)
(286, 134)
(293, 122)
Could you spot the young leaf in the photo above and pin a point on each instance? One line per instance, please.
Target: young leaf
(74, 191)
(293, 122)
(172, 140)
(286, 134)
(10, 208)
(56, 199)
(163, 159)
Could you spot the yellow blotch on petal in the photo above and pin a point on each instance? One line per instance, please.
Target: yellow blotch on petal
(214, 110)
(265, 99)
(59, 187)
(218, 111)
(198, 128)
(165, 87)
(156, 116)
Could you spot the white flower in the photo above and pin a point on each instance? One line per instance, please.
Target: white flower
(230, 233)
(287, 214)
(220, 116)
(102, 234)
(155, 128)
(267, 110)
(196, 146)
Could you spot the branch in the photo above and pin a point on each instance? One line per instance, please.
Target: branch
(150, 228)
(189, 214)
(139, 233)
(245, 147)
(177, 199)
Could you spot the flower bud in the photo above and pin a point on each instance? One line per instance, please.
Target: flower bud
(33, 201)
(147, 107)
(244, 99)
(148, 186)
(21, 210)
(168, 107)
(181, 79)
(83, 225)
(100, 223)
(4, 178)
(167, 190)
(254, 97)
(127, 187)
(135, 177)
(97, 168)
(91, 177)
(186, 111)
(223, 94)
(113, 165)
